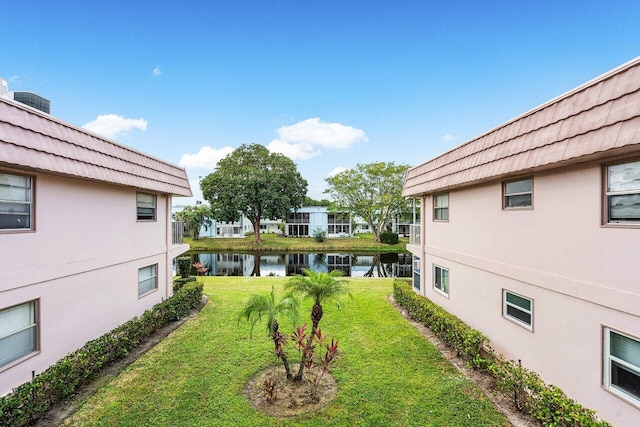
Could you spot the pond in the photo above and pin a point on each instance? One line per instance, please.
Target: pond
(287, 264)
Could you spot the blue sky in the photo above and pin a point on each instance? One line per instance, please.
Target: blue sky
(328, 83)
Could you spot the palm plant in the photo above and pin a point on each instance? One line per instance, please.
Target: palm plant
(265, 306)
(321, 287)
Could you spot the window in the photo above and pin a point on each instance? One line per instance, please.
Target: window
(338, 224)
(622, 365)
(517, 194)
(416, 273)
(441, 207)
(16, 207)
(18, 332)
(623, 193)
(517, 308)
(146, 204)
(147, 279)
(441, 280)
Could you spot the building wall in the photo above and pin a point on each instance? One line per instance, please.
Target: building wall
(81, 263)
(580, 275)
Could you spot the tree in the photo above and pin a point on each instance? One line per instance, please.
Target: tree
(320, 287)
(194, 217)
(372, 191)
(254, 182)
(260, 306)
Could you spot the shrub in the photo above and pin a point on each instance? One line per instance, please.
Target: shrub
(529, 393)
(389, 238)
(319, 235)
(180, 281)
(27, 402)
(184, 266)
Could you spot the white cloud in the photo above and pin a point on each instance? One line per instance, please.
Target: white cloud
(112, 125)
(206, 158)
(447, 137)
(336, 171)
(304, 139)
(157, 71)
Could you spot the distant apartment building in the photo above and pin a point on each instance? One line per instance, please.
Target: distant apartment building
(530, 233)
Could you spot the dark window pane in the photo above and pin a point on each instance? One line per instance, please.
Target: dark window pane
(519, 201)
(625, 379)
(519, 314)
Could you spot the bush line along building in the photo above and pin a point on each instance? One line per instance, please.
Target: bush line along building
(87, 240)
(530, 233)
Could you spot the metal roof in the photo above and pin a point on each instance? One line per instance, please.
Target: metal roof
(597, 120)
(36, 141)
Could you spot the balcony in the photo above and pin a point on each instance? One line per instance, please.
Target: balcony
(177, 232)
(414, 234)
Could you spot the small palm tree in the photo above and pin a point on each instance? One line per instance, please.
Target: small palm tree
(321, 287)
(265, 306)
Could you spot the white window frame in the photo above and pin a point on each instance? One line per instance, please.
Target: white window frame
(627, 365)
(11, 327)
(144, 204)
(144, 278)
(506, 304)
(440, 210)
(631, 190)
(438, 279)
(29, 203)
(417, 277)
(506, 195)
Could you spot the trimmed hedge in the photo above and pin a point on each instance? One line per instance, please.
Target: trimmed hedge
(180, 281)
(529, 393)
(389, 238)
(184, 266)
(27, 402)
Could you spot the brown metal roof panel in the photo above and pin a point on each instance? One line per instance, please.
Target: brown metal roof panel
(624, 108)
(584, 122)
(629, 133)
(620, 84)
(593, 142)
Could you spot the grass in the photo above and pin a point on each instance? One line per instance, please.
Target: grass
(360, 243)
(387, 373)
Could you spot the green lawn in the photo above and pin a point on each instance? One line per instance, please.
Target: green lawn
(360, 243)
(388, 374)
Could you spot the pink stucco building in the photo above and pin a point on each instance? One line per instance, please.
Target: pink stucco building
(85, 238)
(530, 233)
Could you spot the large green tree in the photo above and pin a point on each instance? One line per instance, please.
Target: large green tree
(254, 182)
(372, 191)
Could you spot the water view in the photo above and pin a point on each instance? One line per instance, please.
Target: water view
(287, 264)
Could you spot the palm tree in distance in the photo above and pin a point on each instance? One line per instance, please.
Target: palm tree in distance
(265, 306)
(321, 287)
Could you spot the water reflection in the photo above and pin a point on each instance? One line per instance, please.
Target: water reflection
(288, 264)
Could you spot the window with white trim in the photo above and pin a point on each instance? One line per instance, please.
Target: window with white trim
(517, 308)
(441, 280)
(622, 197)
(622, 365)
(16, 205)
(441, 207)
(147, 279)
(18, 332)
(416, 273)
(146, 206)
(517, 194)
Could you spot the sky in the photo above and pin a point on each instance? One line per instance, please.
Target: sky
(330, 84)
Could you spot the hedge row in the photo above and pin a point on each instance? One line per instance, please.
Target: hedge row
(60, 381)
(529, 393)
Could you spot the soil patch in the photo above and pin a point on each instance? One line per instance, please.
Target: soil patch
(291, 398)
